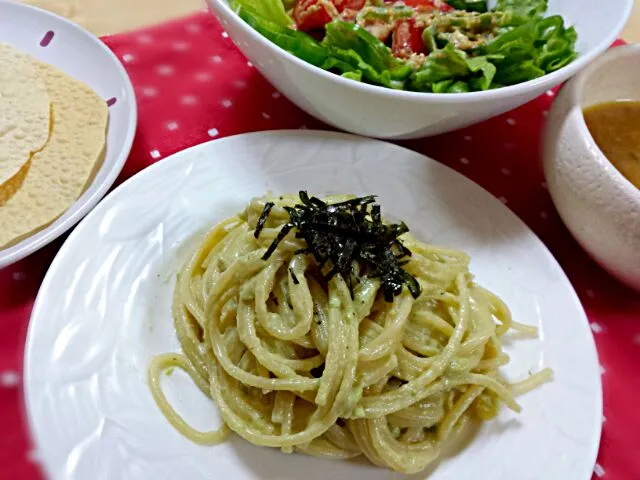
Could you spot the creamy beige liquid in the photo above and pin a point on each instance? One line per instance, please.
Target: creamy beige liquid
(615, 127)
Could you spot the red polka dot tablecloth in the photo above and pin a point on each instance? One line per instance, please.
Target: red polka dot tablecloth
(193, 85)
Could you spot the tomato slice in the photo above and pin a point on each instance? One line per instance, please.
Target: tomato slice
(407, 39)
(355, 5)
(428, 5)
(349, 8)
(313, 14)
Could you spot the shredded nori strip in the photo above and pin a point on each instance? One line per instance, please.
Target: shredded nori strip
(348, 235)
(293, 277)
(317, 371)
(263, 218)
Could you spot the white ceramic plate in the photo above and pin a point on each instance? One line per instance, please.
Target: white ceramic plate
(104, 311)
(80, 54)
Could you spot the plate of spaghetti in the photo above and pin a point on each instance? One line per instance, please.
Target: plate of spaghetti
(318, 305)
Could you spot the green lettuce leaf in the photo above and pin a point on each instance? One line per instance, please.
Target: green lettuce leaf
(451, 86)
(441, 87)
(357, 76)
(469, 5)
(531, 50)
(445, 64)
(341, 37)
(459, 87)
(528, 8)
(512, 46)
(487, 72)
(518, 73)
(507, 20)
(452, 71)
(429, 37)
(515, 55)
(268, 10)
(556, 44)
(293, 41)
(351, 65)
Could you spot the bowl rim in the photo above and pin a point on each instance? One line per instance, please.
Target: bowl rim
(94, 191)
(578, 89)
(550, 79)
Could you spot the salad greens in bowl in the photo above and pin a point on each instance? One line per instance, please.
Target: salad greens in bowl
(419, 45)
(403, 69)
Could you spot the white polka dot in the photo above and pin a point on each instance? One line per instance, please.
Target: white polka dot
(249, 64)
(181, 46)
(9, 379)
(468, 138)
(18, 276)
(34, 456)
(155, 154)
(602, 370)
(216, 59)
(266, 116)
(505, 171)
(543, 215)
(193, 28)
(636, 339)
(598, 470)
(203, 76)
(545, 113)
(164, 70)
(128, 58)
(550, 93)
(590, 293)
(172, 126)
(464, 160)
(227, 103)
(511, 121)
(189, 100)
(149, 91)
(225, 35)
(276, 94)
(144, 39)
(213, 132)
(596, 327)
(544, 185)
(503, 200)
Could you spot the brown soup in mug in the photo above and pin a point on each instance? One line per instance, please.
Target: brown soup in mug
(615, 127)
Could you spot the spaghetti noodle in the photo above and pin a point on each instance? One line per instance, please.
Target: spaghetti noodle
(299, 362)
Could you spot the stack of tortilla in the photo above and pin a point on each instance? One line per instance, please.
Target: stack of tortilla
(52, 142)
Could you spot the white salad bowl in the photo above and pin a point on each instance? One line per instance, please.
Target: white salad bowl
(384, 113)
(598, 204)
